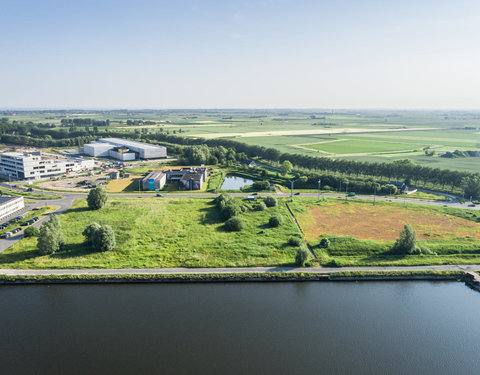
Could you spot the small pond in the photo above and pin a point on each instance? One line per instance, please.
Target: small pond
(235, 183)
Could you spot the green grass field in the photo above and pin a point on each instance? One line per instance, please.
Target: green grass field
(164, 232)
(346, 146)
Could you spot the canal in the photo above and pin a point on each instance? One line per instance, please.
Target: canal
(241, 328)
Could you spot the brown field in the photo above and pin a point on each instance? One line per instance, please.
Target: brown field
(383, 222)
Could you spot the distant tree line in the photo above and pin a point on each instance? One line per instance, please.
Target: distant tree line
(213, 151)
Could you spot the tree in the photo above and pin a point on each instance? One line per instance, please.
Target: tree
(50, 238)
(270, 201)
(408, 242)
(104, 238)
(234, 224)
(324, 243)
(286, 167)
(261, 206)
(97, 197)
(302, 256)
(31, 232)
(472, 187)
(89, 232)
(261, 185)
(275, 220)
(294, 241)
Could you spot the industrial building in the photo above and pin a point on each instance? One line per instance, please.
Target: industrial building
(154, 181)
(36, 164)
(10, 205)
(123, 149)
(187, 178)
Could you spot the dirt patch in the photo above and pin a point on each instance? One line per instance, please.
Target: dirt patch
(366, 222)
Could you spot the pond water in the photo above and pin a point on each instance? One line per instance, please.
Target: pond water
(235, 183)
(241, 328)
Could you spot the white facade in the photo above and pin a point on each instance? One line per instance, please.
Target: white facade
(10, 205)
(97, 149)
(125, 156)
(139, 149)
(34, 165)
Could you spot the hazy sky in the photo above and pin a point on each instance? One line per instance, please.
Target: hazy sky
(239, 54)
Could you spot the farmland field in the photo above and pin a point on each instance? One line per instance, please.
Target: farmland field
(368, 135)
(164, 232)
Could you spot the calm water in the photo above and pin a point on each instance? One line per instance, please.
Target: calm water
(235, 183)
(251, 328)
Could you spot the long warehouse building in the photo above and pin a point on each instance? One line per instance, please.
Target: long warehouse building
(10, 205)
(124, 149)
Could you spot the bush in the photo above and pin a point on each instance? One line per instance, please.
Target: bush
(302, 256)
(97, 197)
(89, 232)
(408, 242)
(261, 185)
(294, 241)
(234, 224)
(31, 232)
(275, 221)
(261, 206)
(104, 238)
(324, 243)
(270, 201)
(230, 210)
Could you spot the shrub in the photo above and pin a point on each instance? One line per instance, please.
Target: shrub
(97, 197)
(104, 238)
(234, 224)
(276, 220)
(302, 256)
(270, 201)
(31, 232)
(294, 241)
(89, 232)
(231, 209)
(261, 185)
(408, 242)
(261, 206)
(324, 243)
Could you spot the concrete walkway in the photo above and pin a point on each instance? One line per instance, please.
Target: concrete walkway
(239, 270)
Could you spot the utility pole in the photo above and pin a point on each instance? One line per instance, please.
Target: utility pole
(291, 194)
(319, 187)
(346, 193)
(374, 193)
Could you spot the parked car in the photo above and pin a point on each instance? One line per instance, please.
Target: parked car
(6, 235)
(296, 194)
(19, 218)
(16, 230)
(159, 195)
(30, 189)
(25, 223)
(35, 209)
(35, 218)
(472, 205)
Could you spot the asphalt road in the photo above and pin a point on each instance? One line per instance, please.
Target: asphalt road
(206, 271)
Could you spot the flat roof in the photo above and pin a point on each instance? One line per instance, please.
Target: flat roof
(4, 200)
(154, 174)
(128, 143)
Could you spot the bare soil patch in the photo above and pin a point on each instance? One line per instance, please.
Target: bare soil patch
(366, 222)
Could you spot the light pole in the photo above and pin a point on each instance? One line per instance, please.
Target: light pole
(374, 193)
(291, 193)
(319, 187)
(346, 193)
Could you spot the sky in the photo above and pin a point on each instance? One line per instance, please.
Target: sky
(408, 54)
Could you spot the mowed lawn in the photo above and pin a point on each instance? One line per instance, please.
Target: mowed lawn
(347, 146)
(164, 232)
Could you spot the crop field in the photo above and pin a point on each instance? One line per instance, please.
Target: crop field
(347, 146)
(164, 232)
(367, 135)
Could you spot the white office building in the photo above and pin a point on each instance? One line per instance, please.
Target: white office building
(10, 205)
(123, 149)
(35, 165)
